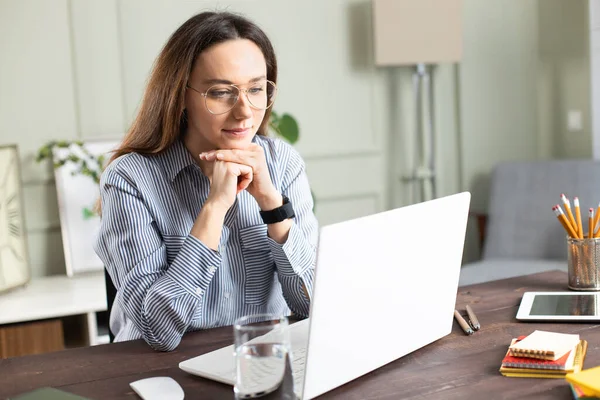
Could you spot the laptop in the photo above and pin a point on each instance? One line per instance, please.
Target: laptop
(385, 285)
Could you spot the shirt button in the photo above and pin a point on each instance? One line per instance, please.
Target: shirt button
(227, 295)
(212, 269)
(199, 291)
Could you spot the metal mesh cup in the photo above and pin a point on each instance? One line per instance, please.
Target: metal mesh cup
(583, 257)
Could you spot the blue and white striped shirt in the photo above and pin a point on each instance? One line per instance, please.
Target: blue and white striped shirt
(168, 281)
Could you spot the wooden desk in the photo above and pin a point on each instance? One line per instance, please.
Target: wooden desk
(455, 367)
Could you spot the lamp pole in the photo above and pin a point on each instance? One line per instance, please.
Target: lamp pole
(423, 174)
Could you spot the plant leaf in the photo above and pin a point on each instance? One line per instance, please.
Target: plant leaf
(87, 213)
(288, 128)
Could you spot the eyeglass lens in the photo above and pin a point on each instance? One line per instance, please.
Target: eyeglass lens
(222, 98)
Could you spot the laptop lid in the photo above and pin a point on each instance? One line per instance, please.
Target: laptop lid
(385, 285)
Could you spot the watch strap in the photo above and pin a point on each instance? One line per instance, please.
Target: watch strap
(285, 211)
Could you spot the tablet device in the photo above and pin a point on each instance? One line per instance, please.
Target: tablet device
(559, 306)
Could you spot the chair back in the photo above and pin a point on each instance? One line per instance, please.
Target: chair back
(111, 292)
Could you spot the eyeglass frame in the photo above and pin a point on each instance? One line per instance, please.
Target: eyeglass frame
(240, 90)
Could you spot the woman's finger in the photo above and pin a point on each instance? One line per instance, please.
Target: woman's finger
(244, 175)
(243, 183)
(210, 156)
(235, 156)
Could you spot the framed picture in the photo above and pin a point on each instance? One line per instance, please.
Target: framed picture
(77, 193)
(14, 257)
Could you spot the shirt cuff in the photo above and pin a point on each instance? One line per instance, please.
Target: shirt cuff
(194, 266)
(292, 257)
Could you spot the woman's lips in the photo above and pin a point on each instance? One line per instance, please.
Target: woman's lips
(237, 131)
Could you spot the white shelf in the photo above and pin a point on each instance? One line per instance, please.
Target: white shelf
(54, 297)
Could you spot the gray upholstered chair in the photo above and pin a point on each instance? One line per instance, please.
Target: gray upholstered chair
(523, 235)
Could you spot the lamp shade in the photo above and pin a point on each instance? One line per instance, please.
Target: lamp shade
(408, 32)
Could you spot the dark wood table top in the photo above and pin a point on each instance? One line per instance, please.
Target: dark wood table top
(455, 367)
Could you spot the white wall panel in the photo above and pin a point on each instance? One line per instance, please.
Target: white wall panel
(36, 78)
(335, 177)
(343, 209)
(97, 60)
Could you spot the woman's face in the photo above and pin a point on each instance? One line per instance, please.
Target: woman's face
(238, 62)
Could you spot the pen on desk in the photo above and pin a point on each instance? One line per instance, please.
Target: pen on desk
(463, 324)
(474, 321)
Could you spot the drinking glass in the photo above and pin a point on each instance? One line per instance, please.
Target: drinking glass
(262, 358)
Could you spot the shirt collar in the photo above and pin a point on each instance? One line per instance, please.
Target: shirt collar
(176, 158)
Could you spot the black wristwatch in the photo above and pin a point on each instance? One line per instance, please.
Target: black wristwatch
(286, 211)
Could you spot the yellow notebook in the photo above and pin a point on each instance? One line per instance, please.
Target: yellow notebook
(544, 373)
(588, 381)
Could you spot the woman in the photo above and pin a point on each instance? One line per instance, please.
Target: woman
(204, 218)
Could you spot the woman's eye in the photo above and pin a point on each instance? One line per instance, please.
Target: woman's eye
(220, 93)
(256, 90)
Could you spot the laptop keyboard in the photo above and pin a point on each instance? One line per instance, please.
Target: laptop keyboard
(264, 371)
(298, 366)
(260, 373)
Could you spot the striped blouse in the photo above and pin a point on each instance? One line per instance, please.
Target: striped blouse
(169, 282)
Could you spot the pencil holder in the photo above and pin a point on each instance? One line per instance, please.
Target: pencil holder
(583, 257)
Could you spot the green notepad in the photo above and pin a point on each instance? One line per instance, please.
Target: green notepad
(48, 393)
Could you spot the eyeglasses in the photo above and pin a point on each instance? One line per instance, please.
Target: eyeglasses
(221, 98)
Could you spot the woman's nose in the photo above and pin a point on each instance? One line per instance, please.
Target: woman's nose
(242, 109)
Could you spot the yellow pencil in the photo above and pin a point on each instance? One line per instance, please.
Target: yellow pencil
(596, 216)
(578, 217)
(590, 223)
(567, 205)
(563, 220)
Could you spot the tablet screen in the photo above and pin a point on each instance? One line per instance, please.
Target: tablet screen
(565, 305)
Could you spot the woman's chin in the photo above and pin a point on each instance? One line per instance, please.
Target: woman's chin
(236, 142)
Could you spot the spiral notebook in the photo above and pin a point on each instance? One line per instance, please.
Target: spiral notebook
(544, 345)
(532, 372)
(565, 363)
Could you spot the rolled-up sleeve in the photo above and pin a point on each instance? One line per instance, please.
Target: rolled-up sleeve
(295, 258)
(160, 298)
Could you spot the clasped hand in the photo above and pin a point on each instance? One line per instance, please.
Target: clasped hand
(237, 170)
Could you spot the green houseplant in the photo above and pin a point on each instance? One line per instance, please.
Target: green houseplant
(87, 164)
(285, 126)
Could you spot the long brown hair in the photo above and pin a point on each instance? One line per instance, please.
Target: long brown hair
(162, 117)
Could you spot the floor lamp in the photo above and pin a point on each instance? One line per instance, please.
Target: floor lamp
(420, 34)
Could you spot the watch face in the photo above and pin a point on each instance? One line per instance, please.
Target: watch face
(14, 266)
